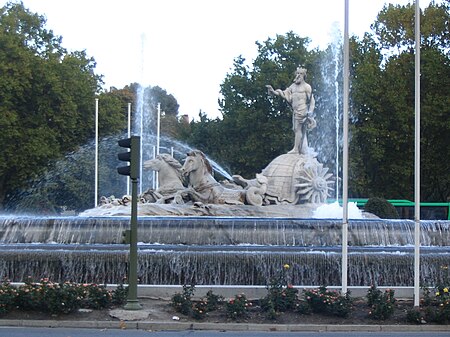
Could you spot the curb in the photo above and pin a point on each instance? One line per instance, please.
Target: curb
(182, 326)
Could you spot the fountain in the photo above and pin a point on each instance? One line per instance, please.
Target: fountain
(238, 233)
(221, 250)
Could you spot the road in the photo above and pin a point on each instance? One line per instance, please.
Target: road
(70, 332)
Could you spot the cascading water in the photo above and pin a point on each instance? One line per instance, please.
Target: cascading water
(327, 138)
(336, 47)
(68, 184)
(221, 251)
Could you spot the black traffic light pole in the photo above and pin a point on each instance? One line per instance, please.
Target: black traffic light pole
(133, 156)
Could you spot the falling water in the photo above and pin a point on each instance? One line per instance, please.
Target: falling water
(145, 126)
(220, 251)
(336, 48)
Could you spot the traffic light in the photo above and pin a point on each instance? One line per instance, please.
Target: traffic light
(132, 156)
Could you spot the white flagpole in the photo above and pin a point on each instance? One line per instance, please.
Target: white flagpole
(158, 136)
(345, 154)
(129, 135)
(417, 161)
(96, 156)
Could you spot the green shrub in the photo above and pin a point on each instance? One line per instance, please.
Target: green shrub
(63, 298)
(182, 303)
(281, 296)
(439, 309)
(199, 309)
(381, 304)
(8, 295)
(381, 208)
(414, 316)
(119, 295)
(330, 302)
(60, 297)
(30, 296)
(237, 307)
(213, 301)
(95, 296)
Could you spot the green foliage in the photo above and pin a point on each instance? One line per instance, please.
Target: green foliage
(213, 301)
(381, 304)
(184, 304)
(237, 307)
(394, 26)
(381, 208)
(8, 295)
(435, 306)
(64, 298)
(382, 99)
(282, 296)
(329, 302)
(96, 296)
(47, 97)
(119, 295)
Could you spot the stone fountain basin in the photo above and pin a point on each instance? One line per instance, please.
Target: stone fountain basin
(221, 251)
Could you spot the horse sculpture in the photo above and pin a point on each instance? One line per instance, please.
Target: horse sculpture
(202, 185)
(170, 178)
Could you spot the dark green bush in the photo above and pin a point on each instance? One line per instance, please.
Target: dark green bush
(381, 208)
(8, 296)
(330, 302)
(213, 301)
(381, 304)
(281, 295)
(96, 296)
(237, 307)
(182, 303)
(119, 295)
(64, 298)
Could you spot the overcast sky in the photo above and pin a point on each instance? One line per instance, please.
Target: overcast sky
(187, 46)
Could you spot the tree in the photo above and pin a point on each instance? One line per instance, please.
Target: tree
(47, 97)
(382, 93)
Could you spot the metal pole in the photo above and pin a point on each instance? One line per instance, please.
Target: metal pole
(158, 129)
(154, 178)
(129, 135)
(158, 136)
(141, 133)
(96, 156)
(417, 162)
(132, 301)
(345, 155)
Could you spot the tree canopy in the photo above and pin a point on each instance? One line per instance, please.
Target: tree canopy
(48, 93)
(383, 87)
(47, 96)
